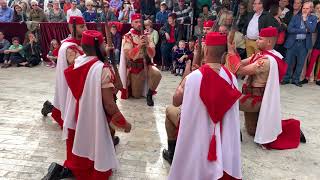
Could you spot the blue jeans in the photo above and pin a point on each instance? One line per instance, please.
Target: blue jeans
(298, 53)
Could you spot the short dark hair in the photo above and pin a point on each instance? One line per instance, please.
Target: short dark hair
(89, 50)
(15, 39)
(274, 9)
(205, 5)
(218, 51)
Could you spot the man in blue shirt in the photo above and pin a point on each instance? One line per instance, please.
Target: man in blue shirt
(162, 15)
(299, 42)
(6, 13)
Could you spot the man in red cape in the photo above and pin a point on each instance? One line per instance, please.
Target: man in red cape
(261, 94)
(69, 50)
(208, 143)
(90, 110)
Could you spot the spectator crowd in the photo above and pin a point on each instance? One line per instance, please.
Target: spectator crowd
(296, 20)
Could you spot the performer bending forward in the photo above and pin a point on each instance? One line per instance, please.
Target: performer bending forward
(70, 49)
(261, 94)
(89, 112)
(139, 78)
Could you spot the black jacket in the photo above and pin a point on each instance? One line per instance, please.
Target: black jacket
(166, 29)
(265, 20)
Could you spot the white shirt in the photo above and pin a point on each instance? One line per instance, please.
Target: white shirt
(72, 12)
(284, 12)
(253, 27)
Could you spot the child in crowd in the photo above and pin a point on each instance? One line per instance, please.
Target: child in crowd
(53, 53)
(179, 57)
(14, 55)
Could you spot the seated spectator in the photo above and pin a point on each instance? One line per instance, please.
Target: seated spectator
(36, 13)
(197, 28)
(67, 5)
(148, 9)
(115, 5)
(32, 51)
(73, 11)
(13, 55)
(18, 14)
(90, 15)
(53, 53)
(110, 14)
(206, 15)
(24, 4)
(4, 45)
(56, 14)
(152, 33)
(242, 17)
(183, 12)
(82, 6)
(191, 45)
(116, 40)
(125, 13)
(6, 13)
(162, 15)
(49, 8)
(298, 43)
(179, 58)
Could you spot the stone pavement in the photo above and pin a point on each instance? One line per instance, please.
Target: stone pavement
(30, 142)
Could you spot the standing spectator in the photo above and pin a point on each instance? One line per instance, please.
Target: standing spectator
(148, 9)
(116, 40)
(296, 9)
(125, 13)
(283, 6)
(115, 5)
(36, 13)
(18, 14)
(243, 16)
(169, 37)
(152, 33)
(74, 11)
(135, 5)
(67, 5)
(13, 55)
(109, 16)
(4, 45)
(183, 12)
(82, 6)
(157, 5)
(256, 21)
(162, 15)
(32, 51)
(90, 15)
(314, 54)
(276, 12)
(299, 42)
(56, 14)
(206, 15)
(6, 13)
(53, 53)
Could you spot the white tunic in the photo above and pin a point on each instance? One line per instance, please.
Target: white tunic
(195, 133)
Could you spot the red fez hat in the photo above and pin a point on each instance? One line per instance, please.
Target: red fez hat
(135, 16)
(269, 32)
(208, 23)
(76, 20)
(118, 25)
(216, 39)
(89, 37)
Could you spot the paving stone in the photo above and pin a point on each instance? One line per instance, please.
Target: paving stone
(30, 142)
